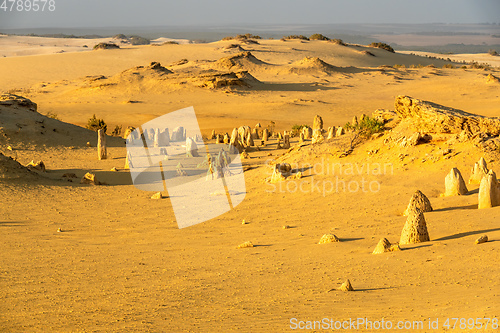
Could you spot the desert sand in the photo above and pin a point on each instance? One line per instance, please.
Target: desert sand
(109, 258)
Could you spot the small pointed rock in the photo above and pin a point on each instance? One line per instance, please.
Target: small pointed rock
(245, 245)
(482, 239)
(385, 246)
(415, 228)
(420, 201)
(90, 178)
(346, 286)
(328, 238)
(157, 196)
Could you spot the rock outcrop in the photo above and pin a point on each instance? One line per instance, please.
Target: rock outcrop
(90, 178)
(286, 140)
(38, 166)
(455, 184)
(191, 148)
(281, 172)
(17, 101)
(249, 141)
(331, 133)
(178, 134)
(317, 130)
(307, 132)
(328, 238)
(235, 142)
(265, 135)
(243, 132)
(434, 118)
(489, 192)
(479, 170)
(385, 246)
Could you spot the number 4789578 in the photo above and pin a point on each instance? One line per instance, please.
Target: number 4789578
(28, 5)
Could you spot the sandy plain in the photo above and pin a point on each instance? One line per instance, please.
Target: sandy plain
(121, 264)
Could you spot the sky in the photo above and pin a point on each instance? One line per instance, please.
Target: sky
(143, 13)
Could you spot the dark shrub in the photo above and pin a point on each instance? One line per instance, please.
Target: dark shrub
(318, 37)
(384, 46)
(95, 124)
(106, 46)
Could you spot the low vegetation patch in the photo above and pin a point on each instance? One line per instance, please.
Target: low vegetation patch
(300, 37)
(296, 129)
(318, 37)
(138, 40)
(366, 127)
(242, 37)
(383, 46)
(106, 46)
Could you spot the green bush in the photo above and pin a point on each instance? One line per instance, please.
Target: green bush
(448, 66)
(492, 52)
(318, 37)
(338, 41)
(296, 129)
(384, 46)
(366, 127)
(95, 124)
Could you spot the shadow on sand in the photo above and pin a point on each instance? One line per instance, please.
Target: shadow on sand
(465, 234)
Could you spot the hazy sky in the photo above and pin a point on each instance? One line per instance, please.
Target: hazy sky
(110, 13)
